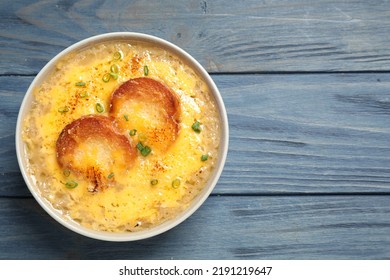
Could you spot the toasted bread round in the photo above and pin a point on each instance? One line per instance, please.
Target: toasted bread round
(148, 107)
(92, 147)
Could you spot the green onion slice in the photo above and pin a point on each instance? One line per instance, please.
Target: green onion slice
(114, 68)
(142, 137)
(110, 175)
(80, 84)
(133, 132)
(154, 182)
(176, 183)
(106, 77)
(71, 184)
(84, 94)
(66, 172)
(126, 117)
(140, 146)
(63, 109)
(145, 150)
(114, 75)
(146, 70)
(196, 127)
(118, 55)
(99, 108)
(204, 157)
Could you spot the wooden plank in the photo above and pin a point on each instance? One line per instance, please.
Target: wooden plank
(225, 36)
(12, 92)
(307, 133)
(297, 227)
(288, 134)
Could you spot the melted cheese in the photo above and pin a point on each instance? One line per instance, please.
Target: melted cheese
(132, 202)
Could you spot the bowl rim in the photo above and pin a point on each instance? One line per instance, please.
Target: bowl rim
(197, 201)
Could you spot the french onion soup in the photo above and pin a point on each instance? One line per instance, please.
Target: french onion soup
(121, 136)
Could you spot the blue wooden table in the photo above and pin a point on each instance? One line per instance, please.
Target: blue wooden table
(306, 85)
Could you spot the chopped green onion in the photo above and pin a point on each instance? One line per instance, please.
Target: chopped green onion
(118, 55)
(110, 175)
(114, 75)
(63, 109)
(176, 183)
(146, 70)
(145, 150)
(71, 184)
(106, 77)
(66, 172)
(204, 157)
(114, 68)
(99, 108)
(140, 146)
(196, 127)
(133, 132)
(126, 117)
(80, 84)
(84, 94)
(142, 137)
(154, 182)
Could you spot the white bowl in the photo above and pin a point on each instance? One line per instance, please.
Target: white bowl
(128, 236)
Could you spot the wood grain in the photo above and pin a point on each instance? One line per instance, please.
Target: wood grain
(258, 36)
(307, 133)
(306, 85)
(324, 133)
(298, 227)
